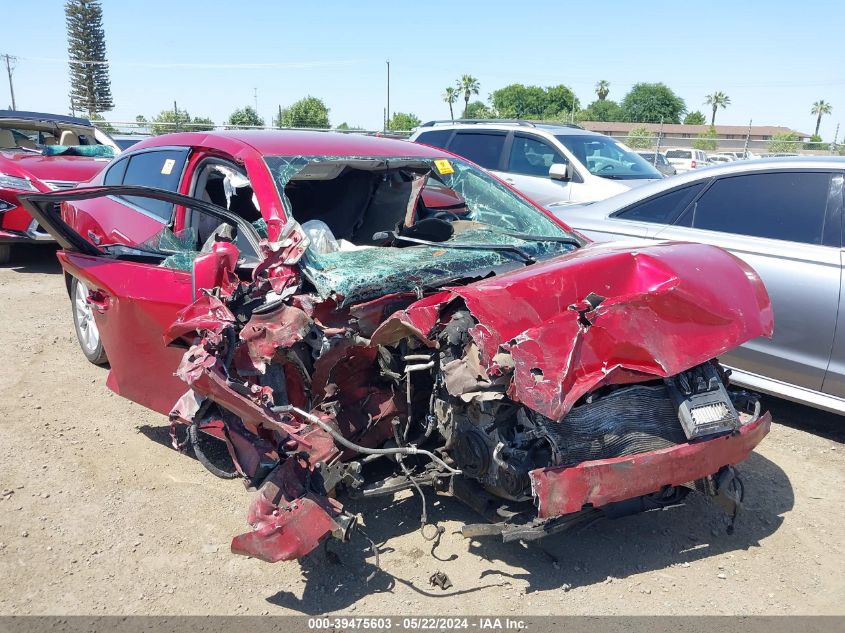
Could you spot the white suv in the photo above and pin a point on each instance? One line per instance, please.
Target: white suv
(686, 159)
(548, 163)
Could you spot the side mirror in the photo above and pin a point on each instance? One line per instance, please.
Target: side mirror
(560, 171)
(209, 269)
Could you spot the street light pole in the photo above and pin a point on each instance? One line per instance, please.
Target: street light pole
(387, 111)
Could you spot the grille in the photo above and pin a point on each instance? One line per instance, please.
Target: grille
(60, 184)
(628, 421)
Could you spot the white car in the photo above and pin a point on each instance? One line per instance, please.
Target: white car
(548, 163)
(718, 159)
(686, 159)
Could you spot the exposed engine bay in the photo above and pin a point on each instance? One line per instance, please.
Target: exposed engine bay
(306, 394)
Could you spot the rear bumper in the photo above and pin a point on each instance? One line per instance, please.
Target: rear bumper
(564, 490)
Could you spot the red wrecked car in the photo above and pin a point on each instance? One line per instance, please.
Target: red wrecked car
(43, 152)
(318, 302)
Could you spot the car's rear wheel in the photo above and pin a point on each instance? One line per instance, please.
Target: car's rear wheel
(87, 332)
(5, 253)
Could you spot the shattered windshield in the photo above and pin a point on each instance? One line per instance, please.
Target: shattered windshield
(378, 225)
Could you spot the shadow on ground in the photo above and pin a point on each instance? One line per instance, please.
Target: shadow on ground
(34, 258)
(335, 574)
(830, 426)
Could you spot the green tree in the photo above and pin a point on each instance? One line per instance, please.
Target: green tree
(450, 96)
(201, 124)
(348, 128)
(695, 118)
(717, 100)
(479, 110)
(815, 143)
(244, 118)
(90, 87)
(820, 108)
(403, 122)
(533, 102)
(308, 112)
(141, 119)
(169, 121)
(603, 89)
(640, 138)
(468, 85)
(602, 110)
(707, 141)
(649, 103)
(560, 102)
(786, 142)
(100, 122)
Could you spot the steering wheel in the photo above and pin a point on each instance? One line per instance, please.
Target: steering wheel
(608, 167)
(448, 215)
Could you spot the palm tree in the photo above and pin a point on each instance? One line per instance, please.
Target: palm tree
(469, 86)
(717, 100)
(603, 89)
(450, 96)
(820, 107)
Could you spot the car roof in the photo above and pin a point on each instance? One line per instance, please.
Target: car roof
(609, 205)
(43, 116)
(507, 124)
(298, 142)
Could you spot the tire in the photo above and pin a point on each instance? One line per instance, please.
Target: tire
(5, 253)
(83, 323)
(223, 468)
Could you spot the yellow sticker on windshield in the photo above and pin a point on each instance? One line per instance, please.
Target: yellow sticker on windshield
(168, 166)
(444, 167)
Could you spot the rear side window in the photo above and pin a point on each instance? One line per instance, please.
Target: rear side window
(437, 138)
(662, 209)
(678, 153)
(481, 148)
(114, 176)
(781, 206)
(160, 169)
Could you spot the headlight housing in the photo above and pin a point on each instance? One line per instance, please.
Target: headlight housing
(16, 182)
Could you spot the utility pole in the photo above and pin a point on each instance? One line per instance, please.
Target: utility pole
(10, 66)
(659, 137)
(835, 137)
(255, 96)
(387, 110)
(176, 115)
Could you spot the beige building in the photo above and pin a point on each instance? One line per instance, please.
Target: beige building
(678, 135)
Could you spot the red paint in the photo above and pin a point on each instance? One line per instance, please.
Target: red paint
(38, 168)
(561, 491)
(667, 307)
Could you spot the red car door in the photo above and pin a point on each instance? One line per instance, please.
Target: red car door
(136, 294)
(130, 220)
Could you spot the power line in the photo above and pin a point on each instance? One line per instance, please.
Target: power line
(209, 65)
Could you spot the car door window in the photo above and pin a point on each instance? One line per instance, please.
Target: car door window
(532, 156)
(482, 148)
(782, 206)
(437, 138)
(161, 169)
(662, 209)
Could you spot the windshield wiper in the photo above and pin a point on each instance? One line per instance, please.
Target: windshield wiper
(393, 236)
(528, 237)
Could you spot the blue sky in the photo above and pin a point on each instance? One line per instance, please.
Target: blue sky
(774, 59)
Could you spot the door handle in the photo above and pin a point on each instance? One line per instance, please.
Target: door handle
(98, 300)
(94, 237)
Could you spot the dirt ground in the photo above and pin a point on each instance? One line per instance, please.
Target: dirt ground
(98, 515)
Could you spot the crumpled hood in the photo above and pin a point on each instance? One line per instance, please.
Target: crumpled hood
(69, 168)
(605, 314)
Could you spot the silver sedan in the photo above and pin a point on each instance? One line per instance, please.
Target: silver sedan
(783, 217)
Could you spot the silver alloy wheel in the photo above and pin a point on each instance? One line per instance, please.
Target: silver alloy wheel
(86, 327)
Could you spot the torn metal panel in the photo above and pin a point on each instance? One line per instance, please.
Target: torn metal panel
(660, 314)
